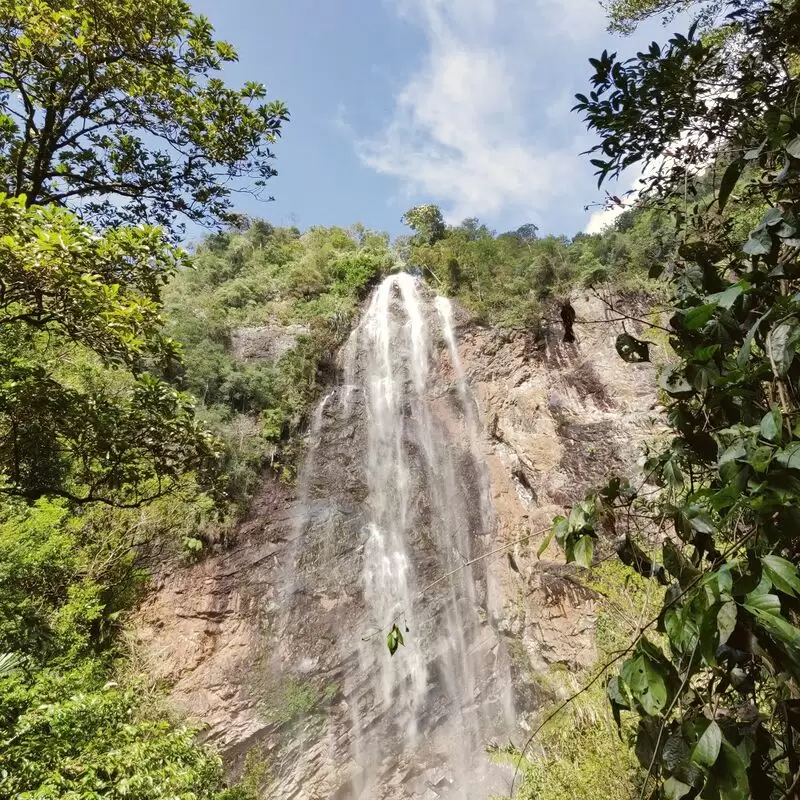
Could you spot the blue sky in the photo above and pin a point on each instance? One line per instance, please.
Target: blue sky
(464, 103)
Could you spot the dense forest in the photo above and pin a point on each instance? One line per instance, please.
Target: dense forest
(131, 431)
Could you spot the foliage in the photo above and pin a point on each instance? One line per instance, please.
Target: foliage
(580, 754)
(65, 581)
(505, 278)
(717, 692)
(69, 735)
(115, 107)
(427, 223)
(298, 295)
(80, 417)
(625, 15)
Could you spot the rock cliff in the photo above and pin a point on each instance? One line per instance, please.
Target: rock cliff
(260, 643)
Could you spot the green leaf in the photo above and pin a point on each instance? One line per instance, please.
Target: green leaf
(696, 317)
(760, 458)
(747, 344)
(727, 298)
(394, 639)
(546, 541)
(789, 457)
(729, 179)
(675, 789)
(646, 682)
(771, 423)
(782, 573)
(759, 243)
(583, 551)
(762, 603)
(726, 620)
(9, 663)
(779, 628)
(560, 528)
(632, 350)
(781, 345)
(728, 780)
(706, 751)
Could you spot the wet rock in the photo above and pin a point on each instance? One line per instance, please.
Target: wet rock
(260, 644)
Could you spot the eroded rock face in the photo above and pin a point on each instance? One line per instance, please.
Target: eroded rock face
(257, 642)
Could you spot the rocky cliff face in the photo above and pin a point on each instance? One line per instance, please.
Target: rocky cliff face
(264, 644)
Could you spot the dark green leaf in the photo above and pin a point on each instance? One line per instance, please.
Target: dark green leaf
(778, 627)
(747, 344)
(782, 573)
(677, 565)
(729, 774)
(647, 684)
(729, 179)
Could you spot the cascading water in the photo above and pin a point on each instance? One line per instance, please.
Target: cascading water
(405, 553)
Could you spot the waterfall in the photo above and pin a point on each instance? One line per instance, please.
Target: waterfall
(407, 554)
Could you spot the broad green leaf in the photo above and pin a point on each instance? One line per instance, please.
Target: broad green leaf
(646, 682)
(782, 573)
(760, 458)
(778, 627)
(583, 551)
(759, 243)
(771, 424)
(789, 457)
(726, 620)
(729, 774)
(706, 751)
(727, 298)
(560, 528)
(733, 452)
(695, 318)
(762, 603)
(781, 345)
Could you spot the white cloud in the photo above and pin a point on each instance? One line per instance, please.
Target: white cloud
(472, 128)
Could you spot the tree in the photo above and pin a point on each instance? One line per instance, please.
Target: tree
(427, 223)
(80, 415)
(715, 677)
(113, 107)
